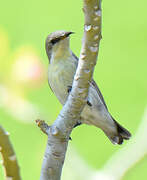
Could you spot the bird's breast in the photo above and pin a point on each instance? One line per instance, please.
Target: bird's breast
(60, 77)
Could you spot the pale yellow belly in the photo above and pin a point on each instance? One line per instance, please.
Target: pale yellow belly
(60, 77)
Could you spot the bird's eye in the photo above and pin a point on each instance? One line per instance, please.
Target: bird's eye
(54, 41)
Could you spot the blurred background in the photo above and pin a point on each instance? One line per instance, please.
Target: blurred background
(121, 73)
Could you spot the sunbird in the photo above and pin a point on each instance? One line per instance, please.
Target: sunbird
(62, 67)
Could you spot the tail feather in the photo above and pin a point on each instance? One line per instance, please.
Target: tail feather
(122, 134)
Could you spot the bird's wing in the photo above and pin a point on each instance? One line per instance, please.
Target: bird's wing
(93, 83)
(75, 56)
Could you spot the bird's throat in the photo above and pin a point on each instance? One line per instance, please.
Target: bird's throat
(61, 49)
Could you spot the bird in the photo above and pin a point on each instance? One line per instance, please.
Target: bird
(62, 67)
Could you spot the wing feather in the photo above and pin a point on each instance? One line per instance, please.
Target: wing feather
(93, 83)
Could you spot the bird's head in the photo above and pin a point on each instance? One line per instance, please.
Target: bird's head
(57, 41)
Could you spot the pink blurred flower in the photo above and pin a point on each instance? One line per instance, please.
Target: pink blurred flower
(27, 68)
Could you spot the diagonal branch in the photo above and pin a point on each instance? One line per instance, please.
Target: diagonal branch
(9, 158)
(58, 133)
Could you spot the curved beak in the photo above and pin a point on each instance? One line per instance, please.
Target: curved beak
(68, 33)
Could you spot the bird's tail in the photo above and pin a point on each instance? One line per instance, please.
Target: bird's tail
(122, 134)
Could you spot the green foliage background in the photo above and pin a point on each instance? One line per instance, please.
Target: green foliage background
(120, 71)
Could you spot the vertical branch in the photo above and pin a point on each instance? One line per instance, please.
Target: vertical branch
(9, 158)
(58, 133)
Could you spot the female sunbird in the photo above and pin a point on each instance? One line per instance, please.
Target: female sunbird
(62, 68)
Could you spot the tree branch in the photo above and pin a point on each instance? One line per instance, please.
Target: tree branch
(58, 133)
(9, 158)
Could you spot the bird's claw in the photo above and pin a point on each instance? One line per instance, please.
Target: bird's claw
(69, 88)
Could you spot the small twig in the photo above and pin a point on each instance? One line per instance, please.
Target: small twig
(43, 126)
(8, 155)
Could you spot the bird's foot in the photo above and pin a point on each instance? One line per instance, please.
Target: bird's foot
(70, 138)
(89, 104)
(69, 88)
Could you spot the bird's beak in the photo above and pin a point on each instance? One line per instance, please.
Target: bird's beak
(69, 33)
(66, 35)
